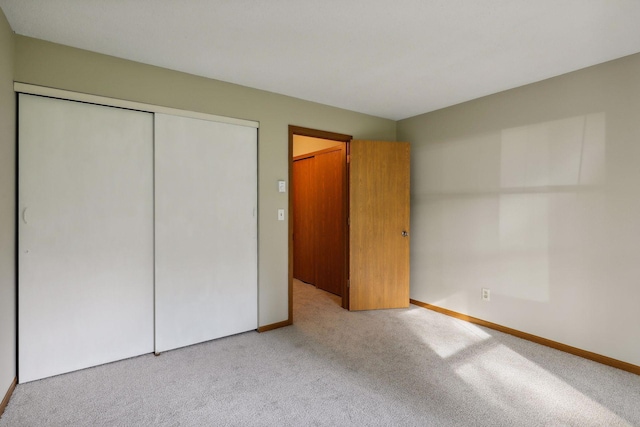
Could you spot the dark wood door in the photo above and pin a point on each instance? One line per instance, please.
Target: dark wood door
(331, 219)
(379, 225)
(304, 213)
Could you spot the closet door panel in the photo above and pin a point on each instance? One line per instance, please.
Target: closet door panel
(85, 235)
(304, 207)
(331, 220)
(206, 230)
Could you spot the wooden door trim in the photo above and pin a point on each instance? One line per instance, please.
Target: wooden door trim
(605, 360)
(314, 133)
(7, 395)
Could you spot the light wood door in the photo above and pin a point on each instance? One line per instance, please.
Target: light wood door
(379, 225)
(331, 219)
(304, 200)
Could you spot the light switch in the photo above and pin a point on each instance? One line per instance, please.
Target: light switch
(280, 214)
(282, 187)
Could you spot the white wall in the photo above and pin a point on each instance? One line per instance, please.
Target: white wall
(7, 209)
(534, 193)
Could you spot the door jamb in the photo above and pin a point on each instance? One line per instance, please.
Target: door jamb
(314, 133)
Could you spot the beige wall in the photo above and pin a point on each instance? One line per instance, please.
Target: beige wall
(306, 144)
(531, 192)
(534, 193)
(42, 63)
(7, 209)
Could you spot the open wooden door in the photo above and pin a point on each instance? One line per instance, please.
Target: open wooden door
(379, 225)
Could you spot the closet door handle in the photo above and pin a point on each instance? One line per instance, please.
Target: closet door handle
(404, 233)
(24, 215)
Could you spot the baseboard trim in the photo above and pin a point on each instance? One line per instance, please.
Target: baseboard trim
(273, 326)
(634, 369)
(7, 396)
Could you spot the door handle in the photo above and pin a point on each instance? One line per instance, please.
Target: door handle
(24, 215)
(404, 233)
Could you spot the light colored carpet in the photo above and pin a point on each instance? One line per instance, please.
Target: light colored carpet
(410, 367)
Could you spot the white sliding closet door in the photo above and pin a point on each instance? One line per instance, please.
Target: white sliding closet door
(206, 230)
(85, 235)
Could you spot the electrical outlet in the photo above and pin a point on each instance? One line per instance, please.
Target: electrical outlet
(486, 294)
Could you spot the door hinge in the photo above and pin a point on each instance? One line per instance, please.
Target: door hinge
(349, 221)
(348, 158)
(348, 284)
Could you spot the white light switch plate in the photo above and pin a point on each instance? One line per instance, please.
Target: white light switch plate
(280, 214)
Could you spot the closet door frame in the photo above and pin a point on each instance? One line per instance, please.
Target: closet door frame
(29, 89)
(121, 103)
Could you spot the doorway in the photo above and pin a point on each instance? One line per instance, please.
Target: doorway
(376, 242)
(318, 173)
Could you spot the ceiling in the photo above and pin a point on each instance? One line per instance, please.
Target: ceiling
(392, 59)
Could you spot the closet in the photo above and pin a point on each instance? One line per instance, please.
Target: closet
(320, 218)
(137, 232)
